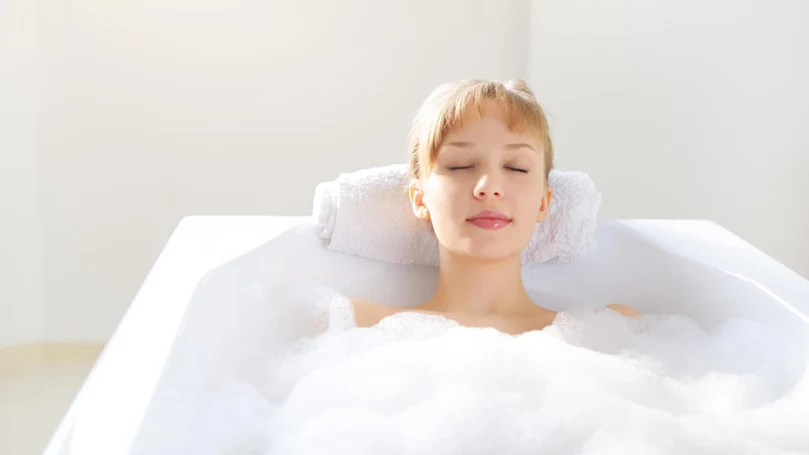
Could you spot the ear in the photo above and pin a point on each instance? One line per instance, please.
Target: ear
(545, 204)
(417, 200)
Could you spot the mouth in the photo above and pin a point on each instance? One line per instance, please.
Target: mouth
(490, 220)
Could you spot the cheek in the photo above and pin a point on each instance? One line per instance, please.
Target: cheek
(440, 197)
(530, 201)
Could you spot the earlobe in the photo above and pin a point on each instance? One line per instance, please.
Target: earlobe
(417, 200)
(544, 205)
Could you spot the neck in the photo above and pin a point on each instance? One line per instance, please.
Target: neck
(480, 287)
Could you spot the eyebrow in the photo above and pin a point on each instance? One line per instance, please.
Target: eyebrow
(462, 145)
(519, 145)
(512, 146)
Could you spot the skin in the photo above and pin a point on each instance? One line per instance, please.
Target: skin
(482, 166)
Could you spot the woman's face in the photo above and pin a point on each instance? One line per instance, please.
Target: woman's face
(486, 190)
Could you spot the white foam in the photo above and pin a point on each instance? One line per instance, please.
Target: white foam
(593, 382)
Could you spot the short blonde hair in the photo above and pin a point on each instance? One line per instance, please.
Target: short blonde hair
(445, 108)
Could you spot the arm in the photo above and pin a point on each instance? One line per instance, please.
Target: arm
(623, 309)
(367, 314)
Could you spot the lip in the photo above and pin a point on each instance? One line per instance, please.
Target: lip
(489, 220)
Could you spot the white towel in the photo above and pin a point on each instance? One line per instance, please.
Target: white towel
(367, 213)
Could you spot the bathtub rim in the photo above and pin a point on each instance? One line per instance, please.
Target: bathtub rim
(196, 244)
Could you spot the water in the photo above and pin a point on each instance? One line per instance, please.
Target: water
(594, 382)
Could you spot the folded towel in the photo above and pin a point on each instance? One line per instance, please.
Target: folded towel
(368, 213)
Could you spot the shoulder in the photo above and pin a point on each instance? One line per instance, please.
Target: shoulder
(623, 309)
(368, 313)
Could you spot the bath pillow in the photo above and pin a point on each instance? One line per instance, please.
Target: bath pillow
(367, 213)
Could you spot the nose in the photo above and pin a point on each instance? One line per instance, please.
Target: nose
(487, 187)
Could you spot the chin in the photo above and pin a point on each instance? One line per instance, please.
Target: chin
(492, 252)
(484, 246)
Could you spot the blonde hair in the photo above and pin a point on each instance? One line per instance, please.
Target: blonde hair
(445, 108)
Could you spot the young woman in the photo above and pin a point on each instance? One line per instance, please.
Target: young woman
(480, 156)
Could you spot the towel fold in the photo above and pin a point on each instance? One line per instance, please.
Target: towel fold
(367, 213)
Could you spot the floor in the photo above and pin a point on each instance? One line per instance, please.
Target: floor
(36, 391)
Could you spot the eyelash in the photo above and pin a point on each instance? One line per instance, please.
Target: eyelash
(516, 169)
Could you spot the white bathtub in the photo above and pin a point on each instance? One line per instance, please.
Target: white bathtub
(201, 308)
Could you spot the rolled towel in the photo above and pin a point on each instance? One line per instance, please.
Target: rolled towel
(367, 213)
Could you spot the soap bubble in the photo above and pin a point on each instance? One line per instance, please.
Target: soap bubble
(594, 382)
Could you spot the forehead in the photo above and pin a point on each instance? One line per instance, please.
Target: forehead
(491, 120)
(489, 132)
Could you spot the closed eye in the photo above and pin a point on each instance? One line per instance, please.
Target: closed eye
(457, 168)
(524, 171)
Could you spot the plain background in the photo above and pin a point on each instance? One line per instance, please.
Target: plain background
(119, 118)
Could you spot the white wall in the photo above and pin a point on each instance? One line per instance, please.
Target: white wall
(164, 108)
(686, 109)
(20, 264)
(140, 113)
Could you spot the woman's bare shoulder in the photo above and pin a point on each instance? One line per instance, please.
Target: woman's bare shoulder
(625, 310)
(368, 313)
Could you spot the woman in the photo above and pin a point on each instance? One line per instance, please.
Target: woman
(480, 156)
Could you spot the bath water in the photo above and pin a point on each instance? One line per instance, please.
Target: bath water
(594, 382)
